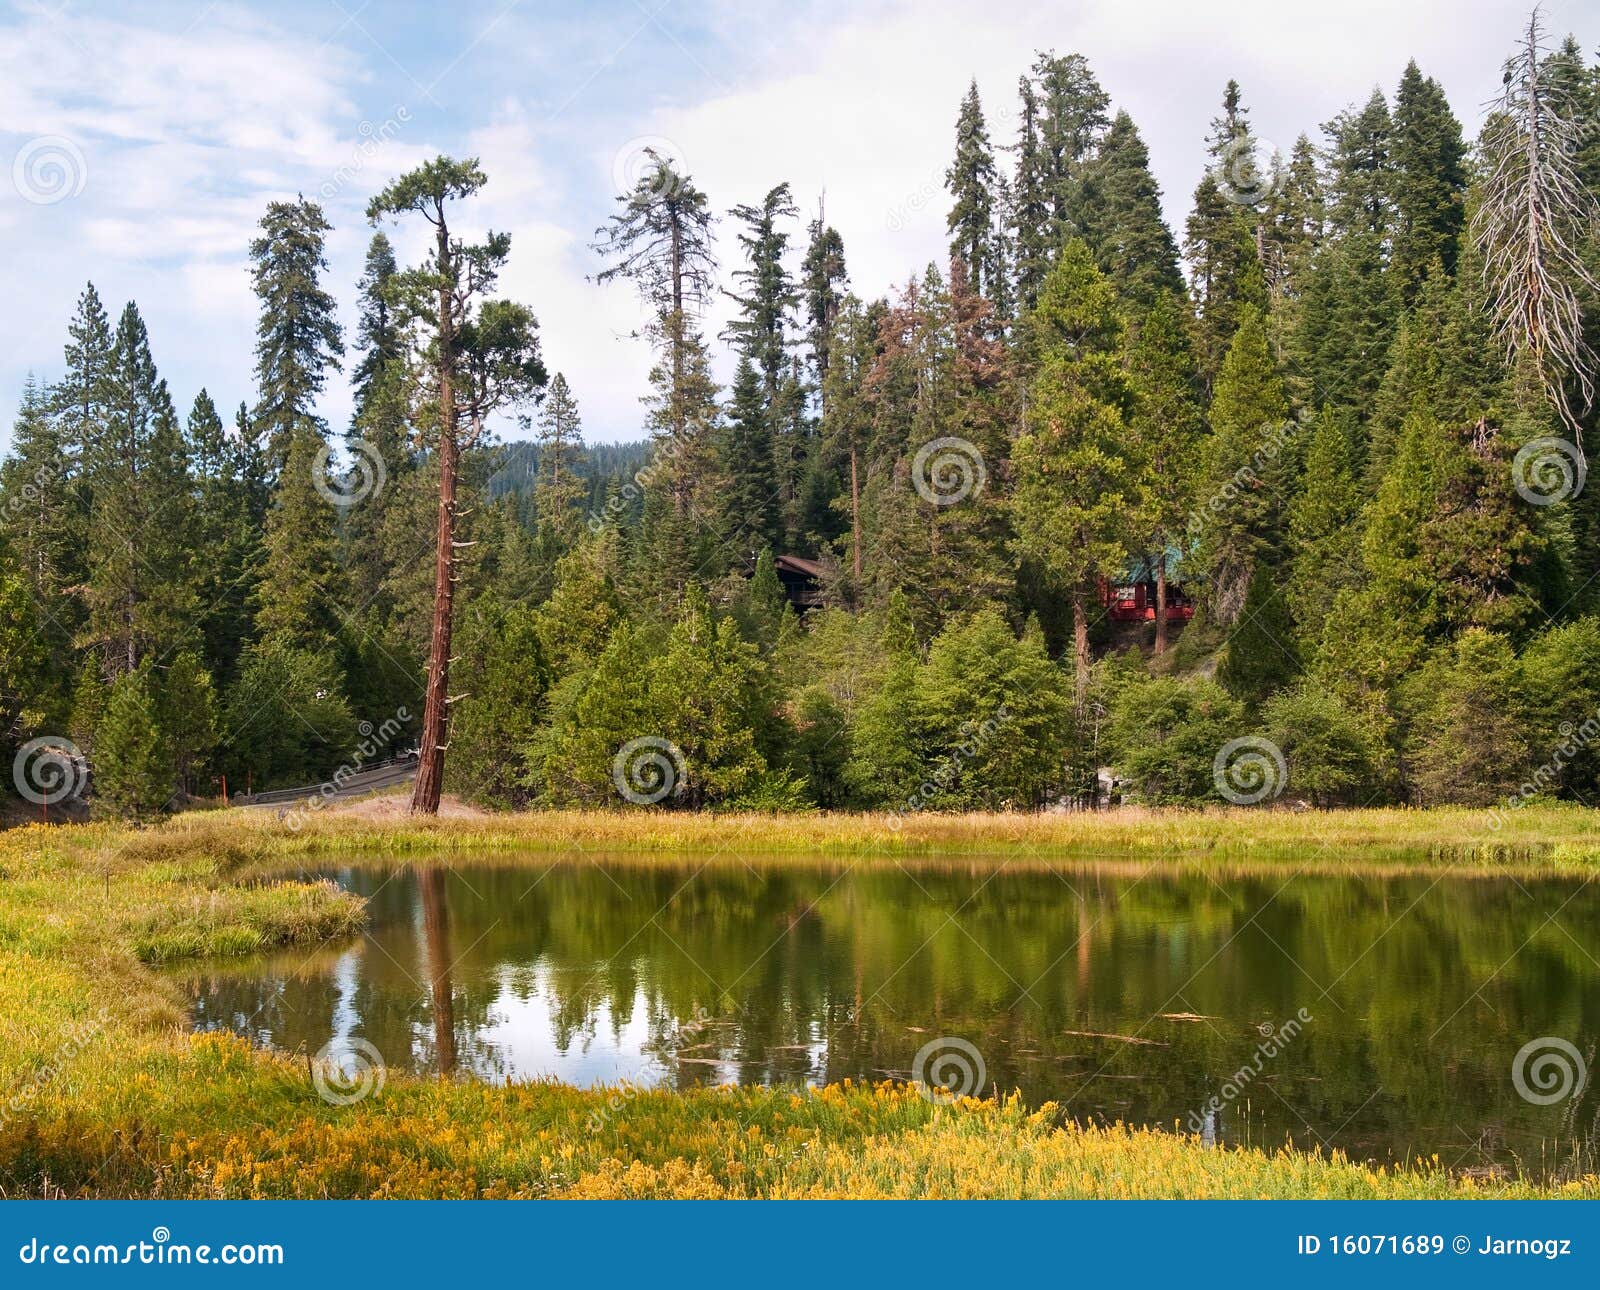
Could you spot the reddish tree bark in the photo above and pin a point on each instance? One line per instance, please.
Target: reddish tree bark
(436, 705)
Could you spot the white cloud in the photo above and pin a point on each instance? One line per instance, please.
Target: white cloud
(186, 134)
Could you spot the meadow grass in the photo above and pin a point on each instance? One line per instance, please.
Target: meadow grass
(1538, 838)
(106, 1094)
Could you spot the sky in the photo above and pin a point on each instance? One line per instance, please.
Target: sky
(140, 142)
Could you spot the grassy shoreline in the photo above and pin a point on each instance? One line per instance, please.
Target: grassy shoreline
(103, 1092)
(1535, 839)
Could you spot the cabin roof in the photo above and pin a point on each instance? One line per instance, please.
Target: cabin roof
(1143, 569)
(799, 564)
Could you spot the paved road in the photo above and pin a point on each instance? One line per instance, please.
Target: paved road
(388, 775)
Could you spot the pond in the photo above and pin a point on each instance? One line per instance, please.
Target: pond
(1381, 1015)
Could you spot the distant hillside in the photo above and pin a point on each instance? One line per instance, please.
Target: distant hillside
(518, 472)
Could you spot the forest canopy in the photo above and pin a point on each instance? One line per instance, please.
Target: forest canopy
(1286, 505)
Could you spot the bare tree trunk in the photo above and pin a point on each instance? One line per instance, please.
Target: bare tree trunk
(1161, 603)
(855, 519)
(1080, 650)
(436, 705)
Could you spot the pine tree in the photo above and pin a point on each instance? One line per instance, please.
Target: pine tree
(379, 335)
(560, 491)
(971, 181)
(823, 280)
(228, 536)
(751, 498)
(1429, 181)
(30, 695)
(1324, 532)
(1533, 224)
(1261, 657)
(1123, 223)
(1248, 466)
(41, 522)
(485, 355)
(1221, 240)
(760, 334)
(1072, 122)
(769, 298)
(297, 342)
(297, 337)
(1170, 430)
(1076, 479)
(297, 595)
(584, 606)
(847, 421)
(660, 240)
(497, 723)
(186, 713)
(133, 777)
(140, 592)
(761, 607)
(1030, 201)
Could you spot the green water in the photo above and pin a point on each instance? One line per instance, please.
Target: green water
(1378, 1015)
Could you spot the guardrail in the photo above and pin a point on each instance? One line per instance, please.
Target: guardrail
(353, 783)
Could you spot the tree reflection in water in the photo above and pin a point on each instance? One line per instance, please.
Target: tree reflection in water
(1421, 990)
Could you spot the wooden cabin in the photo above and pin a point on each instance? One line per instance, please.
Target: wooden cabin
(802, 581)
(1131, 596)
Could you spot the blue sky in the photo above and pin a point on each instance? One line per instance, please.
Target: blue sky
(177, 122)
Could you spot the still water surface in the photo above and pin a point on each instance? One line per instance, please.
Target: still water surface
(1379, 1015)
